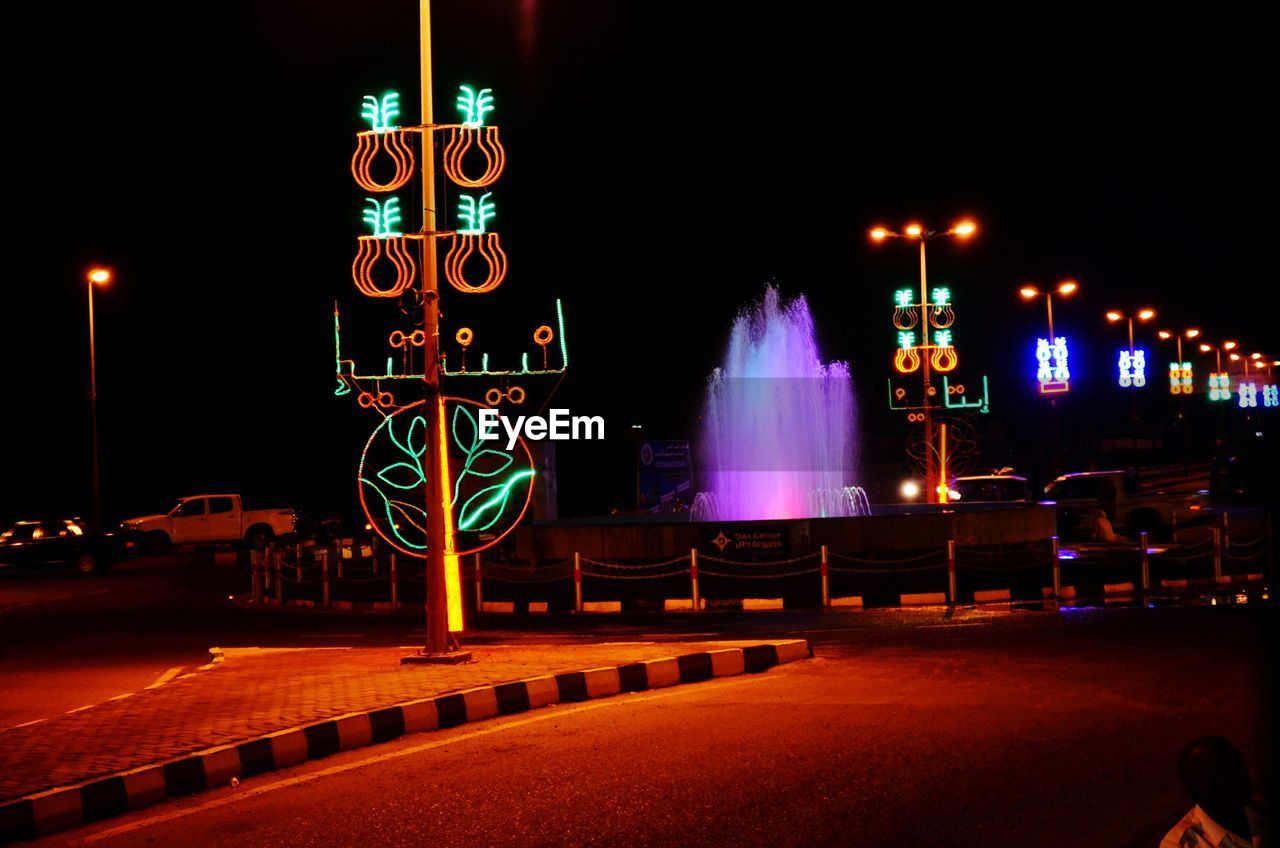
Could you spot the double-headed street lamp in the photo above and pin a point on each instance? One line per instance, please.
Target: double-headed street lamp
(962, 230)
(1132, 365)
(1217, 349)
(96, 277)
(1066, 288)
(1057, 379)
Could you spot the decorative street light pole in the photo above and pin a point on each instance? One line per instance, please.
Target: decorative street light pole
(1181, 382)
(1133, 366)
(962, 230)
(96, 277)
(1058, 379)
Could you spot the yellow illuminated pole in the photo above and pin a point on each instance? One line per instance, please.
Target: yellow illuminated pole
(96, 277)
(444, 602)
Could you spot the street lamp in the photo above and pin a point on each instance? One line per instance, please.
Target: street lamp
(1180, 372)
(1057, 380)
(96, 277)
(1115, 316)
(963, 229)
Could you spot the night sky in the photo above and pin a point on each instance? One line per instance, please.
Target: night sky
(666, 161)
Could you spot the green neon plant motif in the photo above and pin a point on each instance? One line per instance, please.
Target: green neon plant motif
(474, 105)
(941, 296)
(380, 113)
(902, 298)
(383, 216)
(481, 462)
(475, 214)
(399, 482)
(906, 339)
(942, 338)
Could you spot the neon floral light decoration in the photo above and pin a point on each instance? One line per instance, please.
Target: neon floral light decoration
(1219, 386)
(381, 137)
(474, 241)
(1052, 372)
(1180, 378)
(1133, 369)
(1270, 396)
(472, 133)
(1248, 395)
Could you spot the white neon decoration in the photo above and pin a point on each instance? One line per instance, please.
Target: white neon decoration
(1248, 395)
(1133, 369)
(1052, 371)
(1219, 386)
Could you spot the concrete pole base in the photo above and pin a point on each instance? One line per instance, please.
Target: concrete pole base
(449, 658)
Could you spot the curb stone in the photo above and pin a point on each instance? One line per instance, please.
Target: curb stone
(71, 806)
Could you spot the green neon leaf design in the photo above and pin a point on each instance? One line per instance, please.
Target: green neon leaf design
(402, 475)
(497, 495)
(417, 441)
(473, 462)
(467, 437)
(406, 511)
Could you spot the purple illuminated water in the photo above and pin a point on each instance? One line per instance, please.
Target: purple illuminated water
(778, 435)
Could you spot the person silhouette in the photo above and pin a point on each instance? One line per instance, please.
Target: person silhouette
(1224, 815)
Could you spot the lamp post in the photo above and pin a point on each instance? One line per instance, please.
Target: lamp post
(1181, 382)
(1115, 317)
(96, 277)
(962, 230)
(1066, 288)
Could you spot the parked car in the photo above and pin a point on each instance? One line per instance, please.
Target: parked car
(1138, 508)
(211, 519)
(64, 541)
(989, 488)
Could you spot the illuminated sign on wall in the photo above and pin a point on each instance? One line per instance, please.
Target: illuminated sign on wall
(1271, 396)
(1219, 386)
(1180, 378)
(1133, 369)
(1051, 369)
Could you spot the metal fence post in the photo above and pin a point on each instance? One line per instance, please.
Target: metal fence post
(1217, 555)
(694, 595)
(279, 584)
(1057, 568)
(395, 591)
(1146, 563)
(577, 582)
(951, 571)
(339, 561)
(1226, 530)
(324, 578)
(255, 572)
(479, 586)
(826, 579)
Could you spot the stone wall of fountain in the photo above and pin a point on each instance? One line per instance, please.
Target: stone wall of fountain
(779, 434)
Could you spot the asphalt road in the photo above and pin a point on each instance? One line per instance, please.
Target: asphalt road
(977, 729)
(914, 728)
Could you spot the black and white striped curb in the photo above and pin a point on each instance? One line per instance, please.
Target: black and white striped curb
(70, 806)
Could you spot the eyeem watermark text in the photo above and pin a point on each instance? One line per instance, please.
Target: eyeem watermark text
(560, 426)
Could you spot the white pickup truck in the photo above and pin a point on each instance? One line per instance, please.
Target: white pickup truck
(211, 519)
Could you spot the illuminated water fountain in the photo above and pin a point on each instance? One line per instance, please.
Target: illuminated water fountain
(778, 436)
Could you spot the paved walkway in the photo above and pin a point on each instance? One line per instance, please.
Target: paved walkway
(259, 691)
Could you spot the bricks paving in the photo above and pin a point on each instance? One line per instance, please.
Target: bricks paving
(255, 692)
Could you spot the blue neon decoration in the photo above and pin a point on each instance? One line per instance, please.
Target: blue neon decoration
(1133, 369)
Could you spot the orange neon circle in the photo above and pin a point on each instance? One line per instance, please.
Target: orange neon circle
(464, 336)
(463, 247)
(368, 145)
(372, 249)
(515, 394)
(461, 140)
(543, 335)
(365, 400)
(396, 339)
(493, 397)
